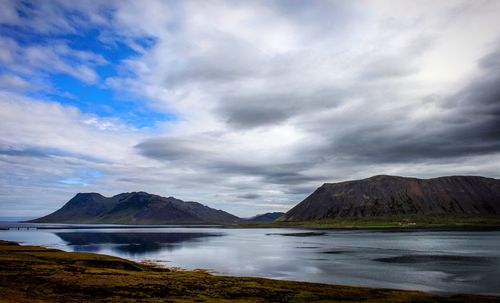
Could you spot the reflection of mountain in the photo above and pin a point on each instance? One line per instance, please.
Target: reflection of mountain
(131, 243)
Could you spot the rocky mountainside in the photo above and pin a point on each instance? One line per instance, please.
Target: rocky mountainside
(381, 196)
(267, 217)
(134, 208)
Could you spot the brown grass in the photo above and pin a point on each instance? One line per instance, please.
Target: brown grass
(35, 274)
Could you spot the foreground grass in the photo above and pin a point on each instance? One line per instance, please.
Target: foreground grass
(393, 222)
(36, 274)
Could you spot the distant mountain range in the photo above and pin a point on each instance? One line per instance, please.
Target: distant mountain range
(135, 208)
(378, 196)
(384, 196)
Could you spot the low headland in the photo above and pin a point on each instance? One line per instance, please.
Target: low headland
(395, 222)
(37, 274)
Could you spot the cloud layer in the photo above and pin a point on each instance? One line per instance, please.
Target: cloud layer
(270, 98)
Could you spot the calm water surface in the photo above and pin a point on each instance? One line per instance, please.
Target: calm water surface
(435, 261)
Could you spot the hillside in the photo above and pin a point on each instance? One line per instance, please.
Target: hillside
(134, 208)
(385, 196)
(267, 217)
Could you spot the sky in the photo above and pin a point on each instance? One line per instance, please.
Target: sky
(245, 106)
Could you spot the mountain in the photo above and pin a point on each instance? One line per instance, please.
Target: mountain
(267, 217)
(134, 208)
(382, 196)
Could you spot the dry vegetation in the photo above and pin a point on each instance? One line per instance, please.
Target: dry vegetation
(36, 274)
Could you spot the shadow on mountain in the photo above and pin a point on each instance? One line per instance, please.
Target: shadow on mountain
(130, 243)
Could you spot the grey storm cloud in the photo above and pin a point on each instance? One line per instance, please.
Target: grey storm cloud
(173, 149)
(257, 116)
(251, 111)
(278, 104)
(287, 173)
(470, 127)
(250, 196)
(45, 152)
(209, 158)
(26, 152)
(254, 111)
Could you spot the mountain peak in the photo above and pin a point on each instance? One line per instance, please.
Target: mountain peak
(134, 208)
(381, 177)
(91, 194)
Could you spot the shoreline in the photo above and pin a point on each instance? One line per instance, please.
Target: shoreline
(34, 273)
(5, 226)
(410, 222)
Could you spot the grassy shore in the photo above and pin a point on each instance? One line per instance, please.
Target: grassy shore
(37, 274)
(393, 222)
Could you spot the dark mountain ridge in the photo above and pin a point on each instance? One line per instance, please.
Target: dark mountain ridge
(134, 208)
(383, 196)
(378, 196)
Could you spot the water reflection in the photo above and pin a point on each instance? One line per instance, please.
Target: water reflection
(440, 261)
(130, 243)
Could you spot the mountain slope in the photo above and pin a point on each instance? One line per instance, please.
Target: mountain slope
(381, 196)
(134, 208)
(267, 217)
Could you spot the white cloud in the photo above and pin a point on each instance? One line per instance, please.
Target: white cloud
(13, 82)
(272, 97)
(38, 59)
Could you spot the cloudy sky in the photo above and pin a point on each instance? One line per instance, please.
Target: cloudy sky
(245, 106)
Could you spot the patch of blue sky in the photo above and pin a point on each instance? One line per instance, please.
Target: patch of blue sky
(73, 181)
(84, 176)
(112, 50)
(92, 98)
(89, 173)
(103, 102)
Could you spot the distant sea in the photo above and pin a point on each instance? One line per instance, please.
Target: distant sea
(15, 219)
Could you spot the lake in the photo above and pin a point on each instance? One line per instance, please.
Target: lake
(442, 262)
